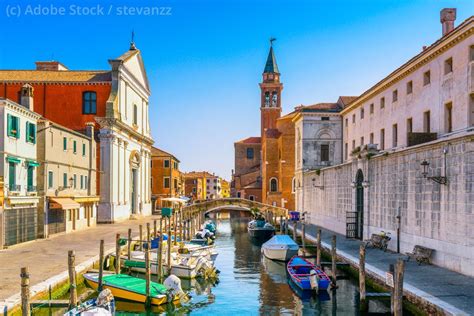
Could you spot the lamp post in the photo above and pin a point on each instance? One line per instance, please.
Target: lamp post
(438, 179)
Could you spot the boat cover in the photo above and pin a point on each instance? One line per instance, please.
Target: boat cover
(281, 242)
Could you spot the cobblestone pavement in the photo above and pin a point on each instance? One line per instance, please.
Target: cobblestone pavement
(432, 282)
(46, 258)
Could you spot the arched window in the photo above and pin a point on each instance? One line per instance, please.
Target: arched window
(273, 185)
(293, 185)
(89, 102)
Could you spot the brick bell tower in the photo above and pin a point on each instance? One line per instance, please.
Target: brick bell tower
(270, 109)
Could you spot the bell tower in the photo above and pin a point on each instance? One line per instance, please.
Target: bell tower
(271, 87)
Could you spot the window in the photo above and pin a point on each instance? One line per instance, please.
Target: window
(371, 138)
(346, 151)
(13, 126)
(239, 194)
(371, 108)
(74, 147)
(426, 78)
(362, 113)
(471, 53)
(29, 178)
(382, 102)
(273, 185)
(448, 66)
(409, 125)
(293, 185)
(82, 182)
(362, 141)
(83, 149)
(353, 144)
(135, 114)
(394, 135)
(324, 152)
(30, 133)
(409, 87)
(325, 118)
(353, 118)
(74, 181)
(64, 143)
(175, 183)
(427, 122)
(448, 114)
(395, 96)
(382, 139)
(347, 122)
(249, 153)
(194, 190)
(65, 180)
(166, 183)
(89, 102)
(471, 109)
(12, 176)
(166, 163)
(50, 179)
(86, 184)
(251, 198)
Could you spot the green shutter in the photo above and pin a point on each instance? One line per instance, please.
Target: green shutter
(30, 176)
(27, 133)
(74, 146)
(83, 149)
(64, 143)
(9, 125)
(17, 126)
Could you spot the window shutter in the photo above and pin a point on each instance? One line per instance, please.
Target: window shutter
(27, 133)
(9, 125)
(17, 127)
(33, 128)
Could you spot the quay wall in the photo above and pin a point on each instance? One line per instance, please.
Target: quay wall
(433, 215)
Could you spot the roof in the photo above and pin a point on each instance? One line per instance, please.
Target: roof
(156, 152)
(199, 174)
(271, 64)
(55, 76)
(250, 140)
(346, 100)
(254, 185)
(325, 106)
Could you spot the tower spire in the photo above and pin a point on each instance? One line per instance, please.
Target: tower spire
(271, 64)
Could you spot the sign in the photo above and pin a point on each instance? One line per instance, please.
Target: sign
(389, 279)
(294, 216)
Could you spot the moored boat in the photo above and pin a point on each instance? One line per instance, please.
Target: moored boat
(130, 288)
(306, 275)
(104, 305)
(280, 247)
(260, 230)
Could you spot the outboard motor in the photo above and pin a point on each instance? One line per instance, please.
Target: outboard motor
(173, 285)
(313, 280)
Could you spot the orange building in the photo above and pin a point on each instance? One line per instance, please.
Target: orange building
(194, 188)
(166, 179)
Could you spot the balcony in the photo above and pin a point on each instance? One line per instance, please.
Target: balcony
(31, 188)
(14, 187)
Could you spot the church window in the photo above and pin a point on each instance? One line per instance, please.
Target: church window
(324, 152)
(267, 99)
(89, 102)
(273, 185)
(135, 114)
(274, 99)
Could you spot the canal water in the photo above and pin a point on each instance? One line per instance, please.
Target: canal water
(250, 284)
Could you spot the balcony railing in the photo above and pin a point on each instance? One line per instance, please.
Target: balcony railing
(31, 188)
(14, 187)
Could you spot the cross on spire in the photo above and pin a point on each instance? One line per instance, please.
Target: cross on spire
(132, 42)
(272, 39)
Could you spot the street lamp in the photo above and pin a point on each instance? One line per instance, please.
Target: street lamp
(438, 179)
(317, 186)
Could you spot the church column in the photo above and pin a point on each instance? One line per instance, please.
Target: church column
(126, 173)
(106, 177)
(119, 173)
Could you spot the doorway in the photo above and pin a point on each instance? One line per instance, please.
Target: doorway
(355, 219)
(134, 190)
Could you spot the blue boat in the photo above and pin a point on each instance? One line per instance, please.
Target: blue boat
(306, 275)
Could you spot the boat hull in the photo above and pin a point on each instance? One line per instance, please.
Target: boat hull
(279, 254)
(300, 270)
(261, 235)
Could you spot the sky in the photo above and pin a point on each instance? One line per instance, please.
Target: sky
(205, 58)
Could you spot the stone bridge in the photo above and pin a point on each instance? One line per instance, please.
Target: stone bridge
(239, 204)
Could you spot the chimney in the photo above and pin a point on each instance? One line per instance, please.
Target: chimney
(27, 97)
(447, 17)
(50, 66)
(90, 129)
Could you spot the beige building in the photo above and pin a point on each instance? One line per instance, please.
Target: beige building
(66, 178)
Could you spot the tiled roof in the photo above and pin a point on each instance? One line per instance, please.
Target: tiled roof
(199, 174)
(254, 185)
(156, 152)
(250, 140)
(55, 76)
(346, 100)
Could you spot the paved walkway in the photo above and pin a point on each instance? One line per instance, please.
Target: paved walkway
(46, 258)
(454, 292)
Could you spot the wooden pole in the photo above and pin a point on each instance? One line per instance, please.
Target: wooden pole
(175, 227)
(169, 246)
(72, 278)
(398, 292)
(155, 232)
(25, 292)
(318, 248)
(286, 226)
(181, 225)
(140, 232)
(117, 254)
(129, 244)
(147, 265)
(295, 227)
(101, 264)
(363, 302)
(333, 259)
(303, 237)
(391, 269)
(281, 224)
(160, 253)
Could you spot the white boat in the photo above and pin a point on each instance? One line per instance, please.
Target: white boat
(195, 250)
(280, 247)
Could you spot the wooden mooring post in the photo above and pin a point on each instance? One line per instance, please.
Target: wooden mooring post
(175, 227)
(334, 261)
(295, 227)
(72, 278)
(129, 244)
(160, 253)
(303, 237)
(140, 233)
(318, 248)
(286, 226)
(281, 224)
(155, 232)
(101, 264)
(147, 266)
(25, 292)
(117, 253)
(398, 288)
(168, 262)
(363, 302)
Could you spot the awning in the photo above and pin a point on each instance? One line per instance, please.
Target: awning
(174, 200)
(13, 159)
(32, 163)
(63, 203)
(87, 199)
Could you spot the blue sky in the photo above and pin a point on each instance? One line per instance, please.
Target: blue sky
(205, 60)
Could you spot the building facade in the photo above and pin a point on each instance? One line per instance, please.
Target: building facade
(225, 188)
(18, 169)
(117, 100)
(66, 178)
(166, 178)
(213, 187)
(194, 188)
(407, 156)
(246, 176)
